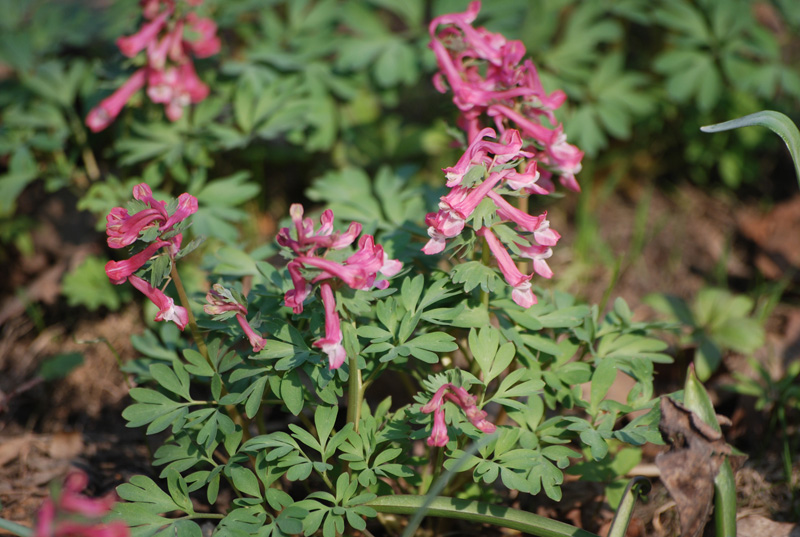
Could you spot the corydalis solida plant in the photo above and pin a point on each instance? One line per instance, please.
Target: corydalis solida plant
(489, 85)
(170, 37)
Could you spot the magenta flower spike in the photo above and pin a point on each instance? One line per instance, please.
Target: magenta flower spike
(331, 344)
(522, 294)
(167, 310)
(255, 339)
(109, 108)
(120, 271)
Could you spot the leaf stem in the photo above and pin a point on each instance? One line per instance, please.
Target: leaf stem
(355, 392)
(478, 512)
(184, 298)
(637, 486)
(16, 529)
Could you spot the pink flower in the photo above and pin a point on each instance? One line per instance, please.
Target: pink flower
(72, 514)
(438, 437)
(308, 240)
(331, 344)
(220, 300)
(467, 403)
(109, 108)
(255, 339)
(508, 212)
(132, 45)
(522, 293)
(207, 44)
(294, 298)
(124, 229)
(167, 310)
(176, 88)
(538, 254)
(454, 209)
(120, 271)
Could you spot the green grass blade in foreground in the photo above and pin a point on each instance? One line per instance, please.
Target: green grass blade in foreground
(14, 528)
(474, 511)
(622, 518)
(479, 513)
(779, 123)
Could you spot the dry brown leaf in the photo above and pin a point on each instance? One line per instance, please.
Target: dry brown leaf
(65, 445)
(759, 526)
(12, 448)
(688, 469)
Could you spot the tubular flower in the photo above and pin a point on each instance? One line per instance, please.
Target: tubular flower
(169, 71)
(222, 301)
(522, 293)
(467, 403)
(331, 344)
(167, 310)
(71, 514)
(255, 339)
(109, 108)
(119, 271)
(362, 270)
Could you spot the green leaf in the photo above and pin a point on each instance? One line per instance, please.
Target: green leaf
(87, 285)
(145, 493)
(21, 171)
(777, 122)
(473, 274)
(292, 392)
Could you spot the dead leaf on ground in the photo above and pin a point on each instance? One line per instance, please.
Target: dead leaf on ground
(13, 447)
(688, 469)
(759, 526)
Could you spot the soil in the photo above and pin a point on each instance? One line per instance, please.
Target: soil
(690, 239)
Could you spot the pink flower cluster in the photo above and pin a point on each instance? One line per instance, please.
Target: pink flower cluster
(484, 72)
(221, 301)
(467, 403)
(310, 266)
(123, 229)
(73, 515)
(455, 208)
(169, 39)
(517, 156)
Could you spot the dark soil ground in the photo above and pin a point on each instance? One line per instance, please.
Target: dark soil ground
(691, 239)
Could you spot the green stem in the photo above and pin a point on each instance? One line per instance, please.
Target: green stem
(622, 518)
(89, 162)
(478, 512)
(725, 501)
(355, 393)
(184, 298)
(486, 260)
(16, 529)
